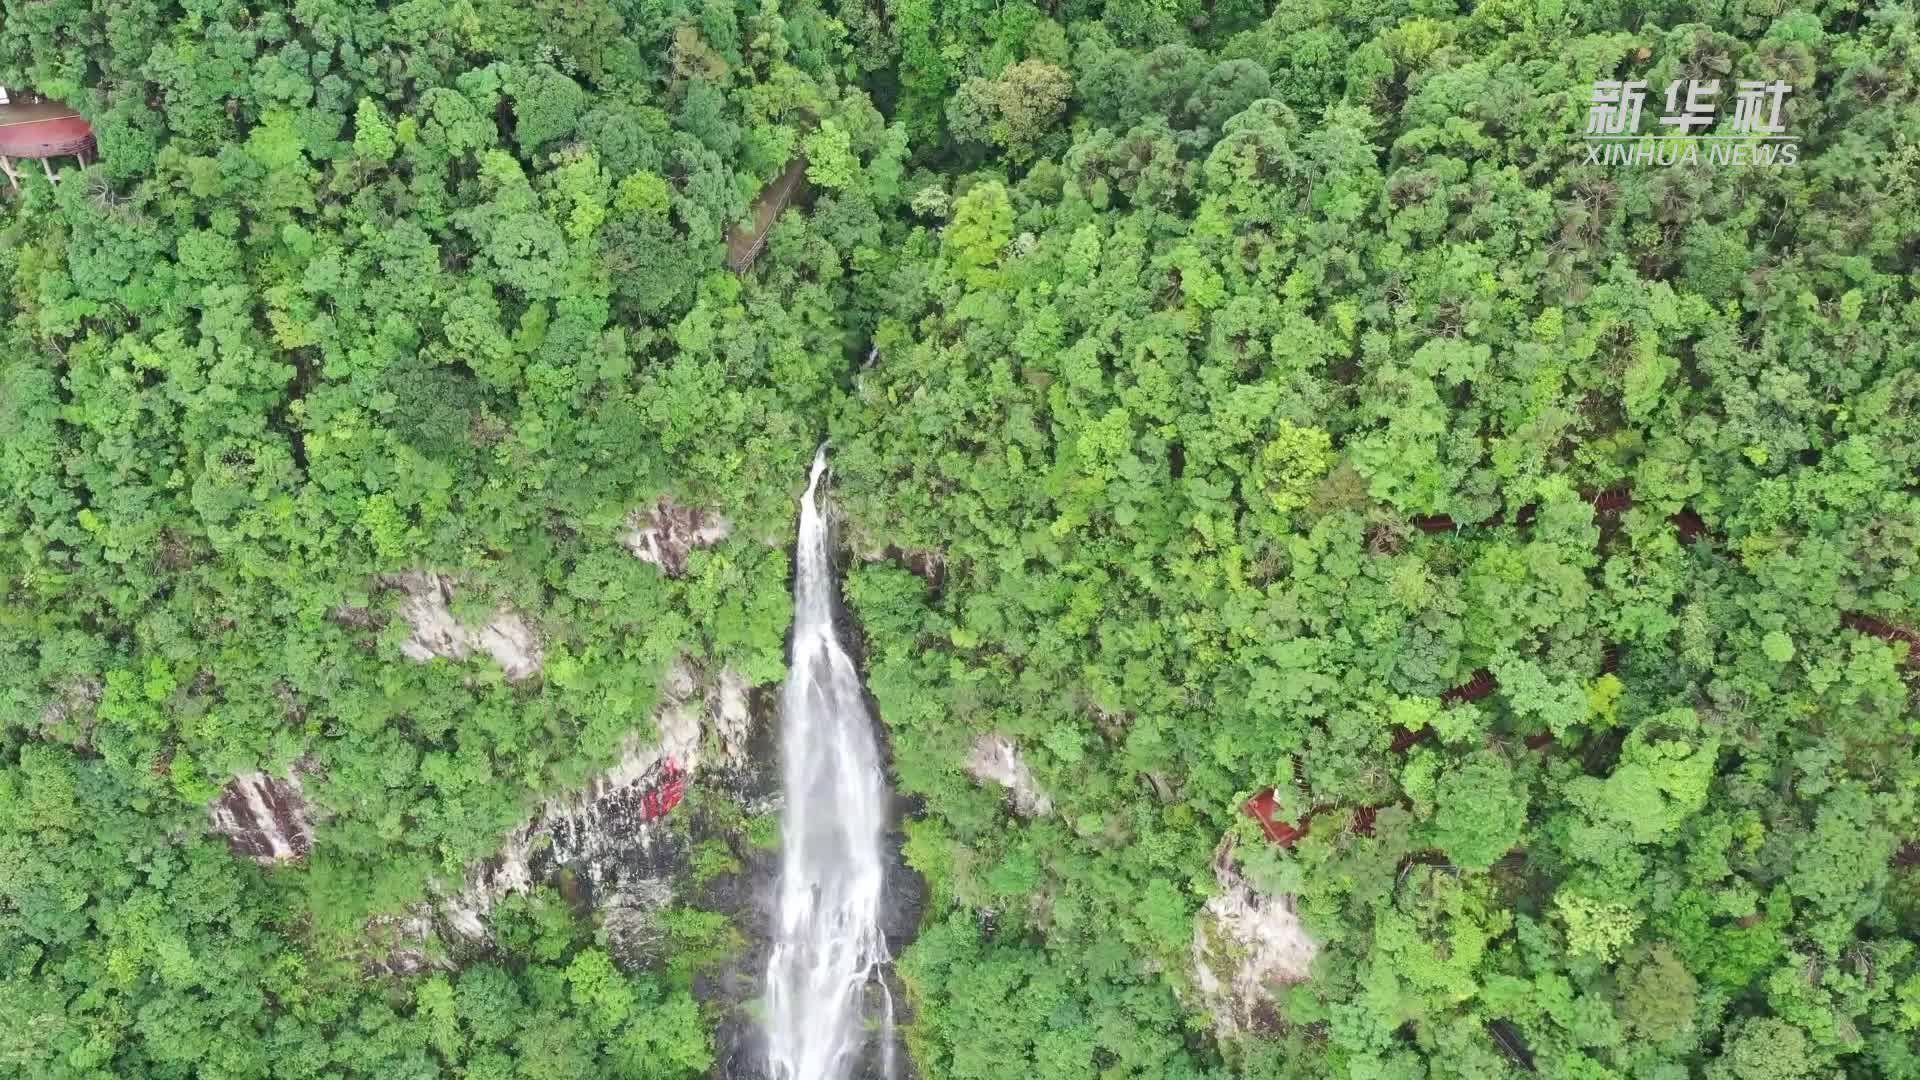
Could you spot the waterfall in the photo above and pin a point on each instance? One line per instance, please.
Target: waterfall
(827, 945)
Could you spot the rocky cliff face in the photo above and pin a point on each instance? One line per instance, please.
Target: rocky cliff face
(622, 843)
(995, 759)
(928, 564)
(69, 717)
(265, 818)
(611, 835)
(505, 637)
(1246, 947)
(622, 846)
(664, 533)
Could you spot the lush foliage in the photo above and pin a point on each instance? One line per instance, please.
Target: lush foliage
(1158, 324)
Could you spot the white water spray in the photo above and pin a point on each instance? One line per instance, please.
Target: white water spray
(827, 945)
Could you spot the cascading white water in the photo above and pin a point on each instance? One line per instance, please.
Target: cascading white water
(827, 945)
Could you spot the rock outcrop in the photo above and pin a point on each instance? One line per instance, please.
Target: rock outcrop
(1246, 947)
(928, 564)
(609, 834)
(732, 716)
(505, 637)
(995, 759)
(265, 818)
(664, 533)
(69, 717)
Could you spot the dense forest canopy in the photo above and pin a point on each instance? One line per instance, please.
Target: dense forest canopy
(1216, 387)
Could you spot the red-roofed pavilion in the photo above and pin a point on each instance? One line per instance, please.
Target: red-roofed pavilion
(34, 128)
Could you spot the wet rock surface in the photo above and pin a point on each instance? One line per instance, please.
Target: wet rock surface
(264, 818)
(624, 844)
(611, 836)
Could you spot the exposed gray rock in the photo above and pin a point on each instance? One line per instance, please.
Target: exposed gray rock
(354, 618)
(732, 715)
(929, 564)
(505, 637)
(996, 759)
(398, 944)
(1157, 782)
(630, 917)
(1246, 947)
(263, 817)
(664, 533)
(609, 833)
(70, 715)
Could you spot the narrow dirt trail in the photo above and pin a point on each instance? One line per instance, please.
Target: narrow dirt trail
(744, 244)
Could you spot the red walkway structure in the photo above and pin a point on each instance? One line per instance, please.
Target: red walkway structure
(34, 128)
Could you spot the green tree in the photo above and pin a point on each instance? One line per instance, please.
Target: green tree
(1479, 811)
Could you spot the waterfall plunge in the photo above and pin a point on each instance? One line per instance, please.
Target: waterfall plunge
(827, 944)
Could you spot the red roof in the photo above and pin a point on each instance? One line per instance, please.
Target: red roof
(42, 129)
(1261, 808)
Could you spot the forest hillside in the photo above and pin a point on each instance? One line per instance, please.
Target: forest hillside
(1352, 585)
